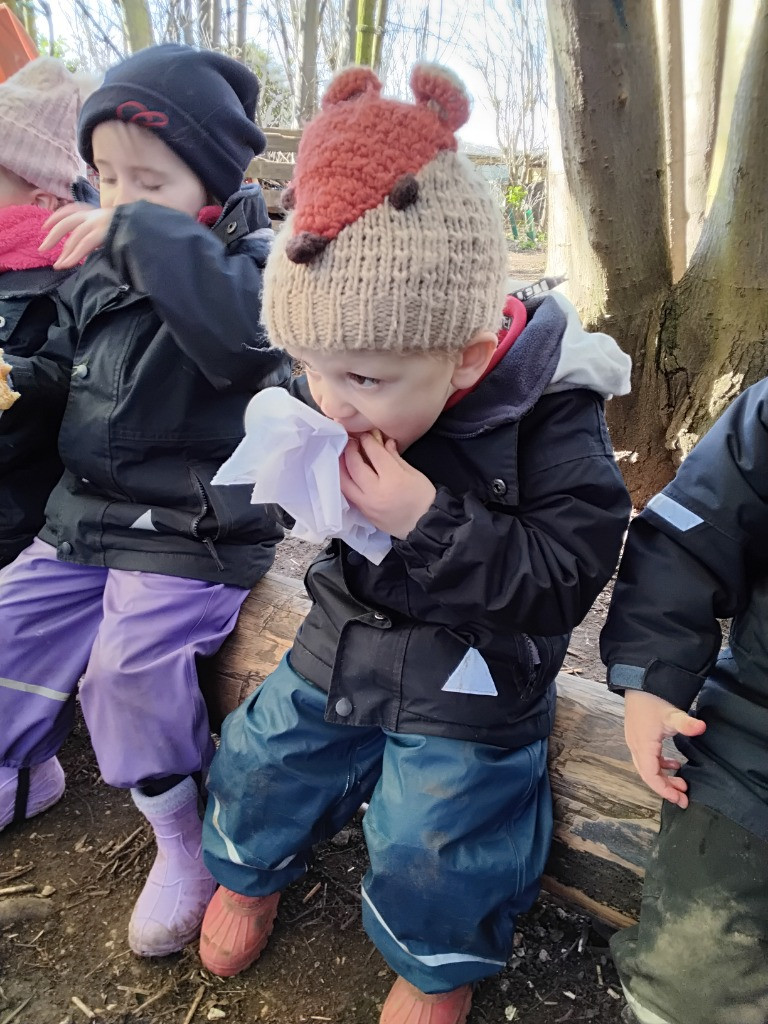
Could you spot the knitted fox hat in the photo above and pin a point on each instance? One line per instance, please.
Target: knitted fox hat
(393, 240)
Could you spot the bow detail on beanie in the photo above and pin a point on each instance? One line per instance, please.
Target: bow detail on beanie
(133, 112)
(362, 149)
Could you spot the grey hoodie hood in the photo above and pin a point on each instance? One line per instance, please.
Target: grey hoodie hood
(553, 353)
(588, 360)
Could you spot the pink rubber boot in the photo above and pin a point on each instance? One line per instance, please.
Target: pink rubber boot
(25, 792)
(235, 931)
(407, 1004)
(169, 911)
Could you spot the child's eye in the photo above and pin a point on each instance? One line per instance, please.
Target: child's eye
(363, 382)
(150, 188)
(106, 181)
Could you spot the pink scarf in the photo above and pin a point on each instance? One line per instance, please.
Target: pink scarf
(21, 232)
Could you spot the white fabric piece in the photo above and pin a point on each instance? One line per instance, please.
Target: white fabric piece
(291, 454)
(674, 513)
(472, 675)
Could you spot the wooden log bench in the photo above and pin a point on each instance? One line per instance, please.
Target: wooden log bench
(605, 817)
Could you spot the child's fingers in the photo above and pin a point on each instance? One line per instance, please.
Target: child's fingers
(680, 722)
(71, 219)
(375, 452)
(359, 470)
(650, 764)
(64, 211)
(79, 244)
(349, 488)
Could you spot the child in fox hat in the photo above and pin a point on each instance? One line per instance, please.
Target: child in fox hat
(424, 684)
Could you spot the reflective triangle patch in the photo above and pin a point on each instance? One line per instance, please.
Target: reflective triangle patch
(472, 675)
(144, 522)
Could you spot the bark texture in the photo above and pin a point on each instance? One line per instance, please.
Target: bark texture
(715, 325)
(608, 221)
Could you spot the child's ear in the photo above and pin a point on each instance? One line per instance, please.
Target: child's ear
(44, 200)
(474, 360)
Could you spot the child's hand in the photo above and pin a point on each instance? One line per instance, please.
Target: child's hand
(87, 227)
(390, 493)
(647, 721)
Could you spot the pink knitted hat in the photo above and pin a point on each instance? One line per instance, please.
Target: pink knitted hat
(393, 240)
(39, 106)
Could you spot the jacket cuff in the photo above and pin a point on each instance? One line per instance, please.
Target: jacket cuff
(675, 685)
(434, 533)
(21, 375)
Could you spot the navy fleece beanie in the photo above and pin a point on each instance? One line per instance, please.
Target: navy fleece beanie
(200, 103)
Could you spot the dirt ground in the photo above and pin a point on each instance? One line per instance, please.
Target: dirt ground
(68, 880)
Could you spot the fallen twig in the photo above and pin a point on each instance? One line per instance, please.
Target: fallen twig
(83, 1008)
(17, 872)
(312, 892)
(15, 1013)
(194, 1005)
(153, 999)
(14, 890)
(85, 899)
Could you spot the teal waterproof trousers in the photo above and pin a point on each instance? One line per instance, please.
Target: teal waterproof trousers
(457, 832)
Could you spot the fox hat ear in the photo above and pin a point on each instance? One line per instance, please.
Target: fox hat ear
(439, 89)
(349, 84)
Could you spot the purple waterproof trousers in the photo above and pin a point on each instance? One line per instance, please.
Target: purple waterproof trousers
(135, 636)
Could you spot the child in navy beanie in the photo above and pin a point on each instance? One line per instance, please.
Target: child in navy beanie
(142, 565)
(200, 103)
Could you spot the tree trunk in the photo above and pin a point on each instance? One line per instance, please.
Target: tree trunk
(607, 227)
(605, 817)
(715, 328)
(204, 10)
(215, 24)
(366, 19)
(306, 86)
(138, 24)
(28, 20)
(242, 19)
(669, 17)
(188, 27)
(378, 39)
(706, 24)
(350, 32)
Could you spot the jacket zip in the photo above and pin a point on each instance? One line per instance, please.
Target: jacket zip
(199, 518)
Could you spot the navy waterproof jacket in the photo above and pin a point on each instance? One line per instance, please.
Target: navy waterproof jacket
(697, 554)
(157, 352)
(30, 465)
(524, 533)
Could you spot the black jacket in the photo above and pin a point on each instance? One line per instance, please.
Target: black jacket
(697, 554)
(159, 350)
(524, 532)
(29, 458)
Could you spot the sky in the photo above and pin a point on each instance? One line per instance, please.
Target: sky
(448, 19)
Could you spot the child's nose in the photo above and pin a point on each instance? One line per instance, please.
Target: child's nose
(124, 193)
(335, 407)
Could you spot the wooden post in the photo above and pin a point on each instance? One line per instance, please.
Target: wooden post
(605, 817)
